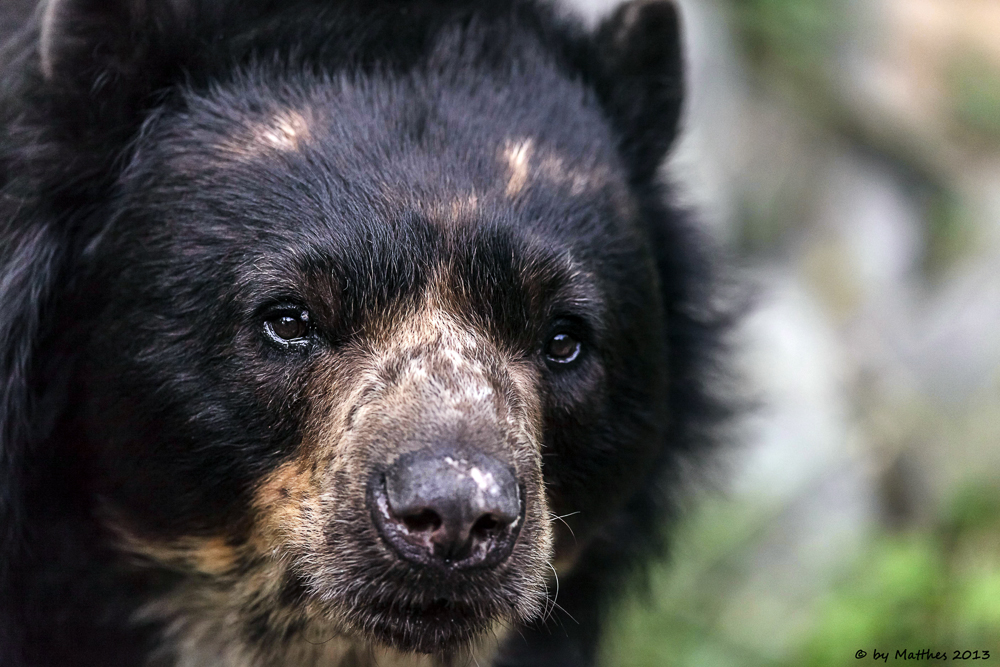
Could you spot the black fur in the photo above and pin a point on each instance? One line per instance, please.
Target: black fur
(134, 253)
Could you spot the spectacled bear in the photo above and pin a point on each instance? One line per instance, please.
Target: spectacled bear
(339, 332)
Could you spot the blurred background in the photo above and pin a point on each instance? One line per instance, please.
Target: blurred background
(846, 154)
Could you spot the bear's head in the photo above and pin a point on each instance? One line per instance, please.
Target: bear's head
(377, 316)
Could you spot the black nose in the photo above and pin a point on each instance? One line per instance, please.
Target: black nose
(453, 507)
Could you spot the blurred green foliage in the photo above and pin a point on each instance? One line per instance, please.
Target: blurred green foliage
(950, 229)
(680, 621)
(937, 587)
(790, 39)
(975, 95)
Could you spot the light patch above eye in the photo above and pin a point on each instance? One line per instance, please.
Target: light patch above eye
(518, 157)
(459, 209)
(579, 181)
(525, 161)
(286, 131)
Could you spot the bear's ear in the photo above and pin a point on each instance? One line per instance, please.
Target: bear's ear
(99, 43)
(104, 61)
(640, 79)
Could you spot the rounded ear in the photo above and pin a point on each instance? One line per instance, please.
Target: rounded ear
(640, 79)
(101, 42)
(105, 63)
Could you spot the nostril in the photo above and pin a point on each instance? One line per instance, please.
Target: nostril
(485, 525)
(425, 521)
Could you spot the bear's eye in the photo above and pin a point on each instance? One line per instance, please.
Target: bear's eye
(288, 326)
(562, 348)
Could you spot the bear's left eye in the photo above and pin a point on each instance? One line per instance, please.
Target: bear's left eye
(562, 348)
(288, 326)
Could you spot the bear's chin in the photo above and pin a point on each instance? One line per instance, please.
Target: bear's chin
(437, 613)
(441, 627)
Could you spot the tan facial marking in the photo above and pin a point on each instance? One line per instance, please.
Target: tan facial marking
(446, 374)
(461, 208)
(525, 161)
(202, 555)
(284, 131)
(213, 555)
(518, 157)
(282, 498)
(579, 181)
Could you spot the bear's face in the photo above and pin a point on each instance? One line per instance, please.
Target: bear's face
(341, 337)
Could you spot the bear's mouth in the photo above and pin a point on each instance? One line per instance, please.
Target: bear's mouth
(441, 626)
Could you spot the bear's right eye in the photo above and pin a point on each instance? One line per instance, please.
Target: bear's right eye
(288, 326)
